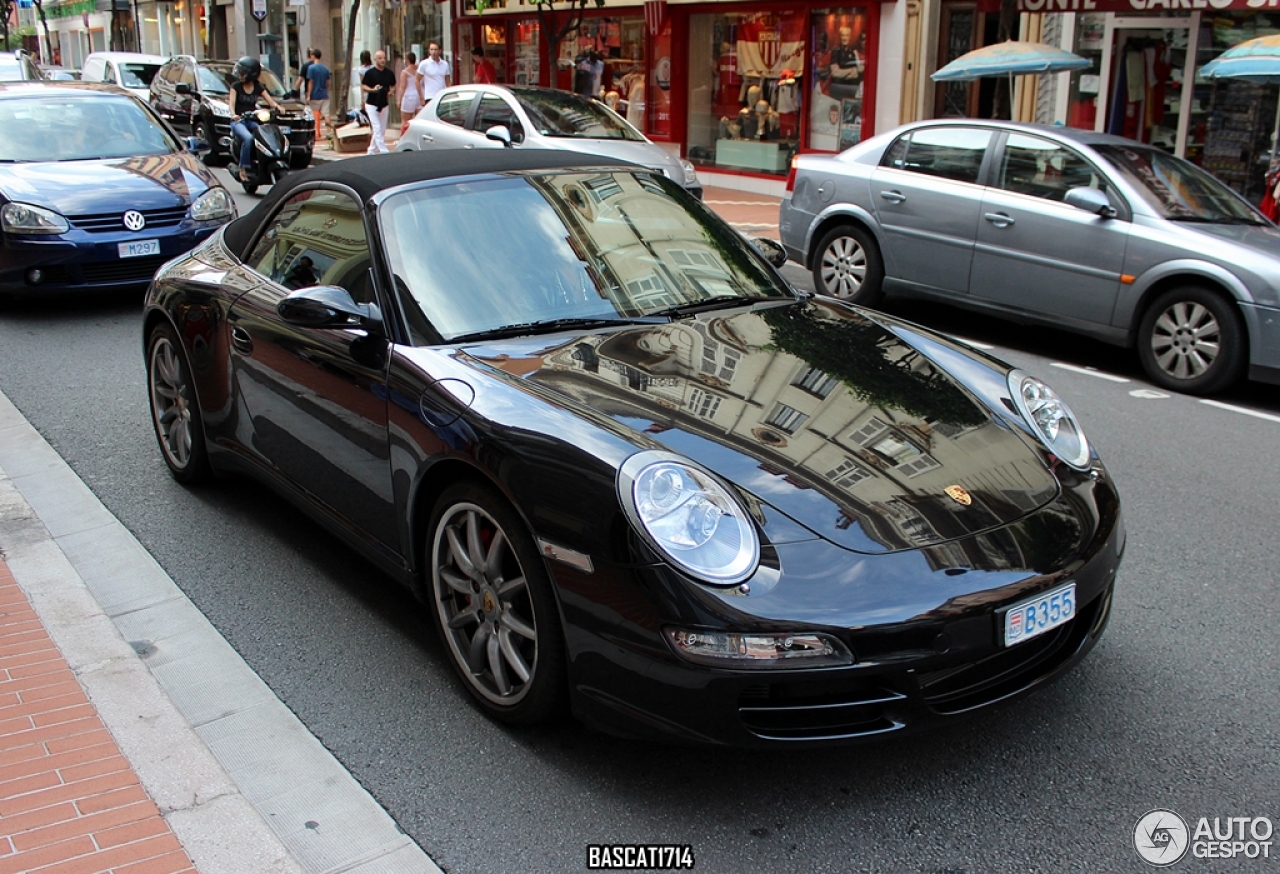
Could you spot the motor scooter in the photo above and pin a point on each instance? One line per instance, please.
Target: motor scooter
(268, 157)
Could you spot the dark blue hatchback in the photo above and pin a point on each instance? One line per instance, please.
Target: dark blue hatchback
(95, 191)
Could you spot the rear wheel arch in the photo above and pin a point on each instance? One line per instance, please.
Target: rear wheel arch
(824, 227)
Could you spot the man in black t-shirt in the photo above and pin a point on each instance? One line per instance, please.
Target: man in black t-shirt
(378, 85)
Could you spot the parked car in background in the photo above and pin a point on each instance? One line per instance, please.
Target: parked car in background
(60, 74)
(193, 97)
(131, 70)
(1082, 231)
(461, 117)
(630, 470)
(95, 192)
(19, 66)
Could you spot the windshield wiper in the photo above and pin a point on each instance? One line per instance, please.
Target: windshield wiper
(1218, 220)
(714, 303)
(550, 326)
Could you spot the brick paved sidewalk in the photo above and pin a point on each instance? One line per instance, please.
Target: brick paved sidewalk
(69, 801)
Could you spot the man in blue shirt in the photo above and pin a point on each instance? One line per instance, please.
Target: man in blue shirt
(318, 91)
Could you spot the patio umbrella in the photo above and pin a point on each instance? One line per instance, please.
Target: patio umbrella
(1256, 60)
(1010, 58)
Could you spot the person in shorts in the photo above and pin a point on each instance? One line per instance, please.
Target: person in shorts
(318, 76)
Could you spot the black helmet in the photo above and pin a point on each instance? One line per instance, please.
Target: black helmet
(248, 68)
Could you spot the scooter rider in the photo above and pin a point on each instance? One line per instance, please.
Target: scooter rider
(248, 91)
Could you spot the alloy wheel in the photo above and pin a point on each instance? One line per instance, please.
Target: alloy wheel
(843, 267)
(171, 404)
(1186, 339)
(483, 604)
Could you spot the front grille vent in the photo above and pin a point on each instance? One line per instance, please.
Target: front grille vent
(787, 712)
(97, 223)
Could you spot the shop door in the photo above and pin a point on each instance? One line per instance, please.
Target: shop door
(1145, 65)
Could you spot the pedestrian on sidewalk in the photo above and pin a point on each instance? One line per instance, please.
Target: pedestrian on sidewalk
(300, 84)
(410, 90)
(435, 72)
(485, 74)
(379, 86)
(318, 91)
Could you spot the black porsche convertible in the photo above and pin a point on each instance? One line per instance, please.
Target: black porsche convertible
(634, 474)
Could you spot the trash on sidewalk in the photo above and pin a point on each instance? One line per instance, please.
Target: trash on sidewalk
(353, 137)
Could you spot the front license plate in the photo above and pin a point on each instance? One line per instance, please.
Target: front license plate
(286, 130)
(138, 248)
(1040, 614)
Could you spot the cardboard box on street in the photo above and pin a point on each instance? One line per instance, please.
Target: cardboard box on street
(352, 137)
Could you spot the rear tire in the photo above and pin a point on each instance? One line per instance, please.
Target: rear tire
(175, 409)
(1192, 340)
(847, 265)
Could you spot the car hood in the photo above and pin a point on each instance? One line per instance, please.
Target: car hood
(80, 187)
(1262, 238)
(648, 155)
(813, 409)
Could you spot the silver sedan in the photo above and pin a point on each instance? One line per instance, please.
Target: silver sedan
(1082, 231)
(498, 116)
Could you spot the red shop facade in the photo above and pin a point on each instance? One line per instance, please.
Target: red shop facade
(735, 87)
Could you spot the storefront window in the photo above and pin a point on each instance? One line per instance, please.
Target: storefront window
(839, 67)
(744, 92)
(526, 59)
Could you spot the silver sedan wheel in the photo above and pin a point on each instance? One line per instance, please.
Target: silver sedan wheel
(483, 604)
(843, 267)
(1186, 340)
(171, 403)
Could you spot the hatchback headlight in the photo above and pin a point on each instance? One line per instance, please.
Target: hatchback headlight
(22, 218)
(214, 205)
(1051, 420)
(688, 517)
(690, 173)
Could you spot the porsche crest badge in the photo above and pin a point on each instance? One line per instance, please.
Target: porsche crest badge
(959, 494)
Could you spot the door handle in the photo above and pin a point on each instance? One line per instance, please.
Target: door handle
(999, 219)
(241, 340)
(893, 196)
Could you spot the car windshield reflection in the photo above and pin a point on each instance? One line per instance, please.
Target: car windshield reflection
(1178, 189)
(530, 254)
(564, 114)
(78, 129)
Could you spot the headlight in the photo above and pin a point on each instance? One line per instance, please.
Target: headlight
(1050, 419)
(777, 650)
(214, 205)
(690, 174)
(218, 108)
(19, 218)
(688, 517)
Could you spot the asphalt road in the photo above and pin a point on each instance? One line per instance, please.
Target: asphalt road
(1176, 708)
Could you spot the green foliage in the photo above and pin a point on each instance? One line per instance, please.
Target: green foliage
(877, 367)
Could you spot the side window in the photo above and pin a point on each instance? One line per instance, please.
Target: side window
(453, 108)
(172, 72)
(188, 75)
(317, 238)
(949, 152)
(1042, 168)
(494, 110)
(896, 155)
(109, 73)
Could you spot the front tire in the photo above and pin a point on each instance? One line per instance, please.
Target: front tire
(494, 606)
(1192, 340)
(847, 265)
(175, 411)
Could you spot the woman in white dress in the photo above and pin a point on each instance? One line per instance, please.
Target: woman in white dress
(410, 88)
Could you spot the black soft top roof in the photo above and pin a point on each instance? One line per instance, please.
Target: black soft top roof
(369, 174)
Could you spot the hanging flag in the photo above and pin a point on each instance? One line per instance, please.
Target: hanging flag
(655, 15)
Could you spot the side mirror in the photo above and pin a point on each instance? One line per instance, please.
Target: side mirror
(326, 306)
(1090, 200)
(197, 146)
(182, 88)
(500, 133)
(771, 250)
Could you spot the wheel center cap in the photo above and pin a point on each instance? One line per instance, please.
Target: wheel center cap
(488, 602)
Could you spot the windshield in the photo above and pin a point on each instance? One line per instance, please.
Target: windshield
(219, 79)
(1177, 189)
(521, 250)
(137, 75)
(565, 114)
(79, 128)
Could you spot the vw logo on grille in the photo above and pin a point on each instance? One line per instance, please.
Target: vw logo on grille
(134, 220)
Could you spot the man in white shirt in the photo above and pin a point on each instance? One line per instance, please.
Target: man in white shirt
(435, 72)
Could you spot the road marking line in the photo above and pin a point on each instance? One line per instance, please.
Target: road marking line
(974, 343)
(1088, 371)
(1248, 412)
